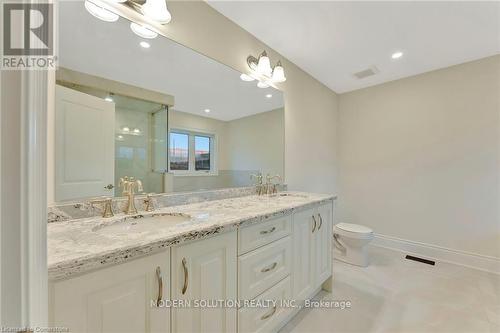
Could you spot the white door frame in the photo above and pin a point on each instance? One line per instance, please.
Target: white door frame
(23, 204)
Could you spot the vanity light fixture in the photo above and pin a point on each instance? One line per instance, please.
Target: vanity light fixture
(207, 110)
(143, 31)
(269, 96)
(145, 45)
(246, 77)
(261, 70)
(137, 131)
(126, 129)
(157, 11)
(397, 55)
(97, 10)
(262, 85)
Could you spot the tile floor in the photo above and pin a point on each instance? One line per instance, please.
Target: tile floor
(398, 295)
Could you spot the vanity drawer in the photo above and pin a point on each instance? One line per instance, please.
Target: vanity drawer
(254, 236)
(267, 319)
(261, 269)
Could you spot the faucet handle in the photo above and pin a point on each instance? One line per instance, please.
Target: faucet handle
(107, 205)
(149, 204)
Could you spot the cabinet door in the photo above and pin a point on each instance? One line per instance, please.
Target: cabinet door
(204, 270)
(303, 254)
(323, 242)
(114, 299)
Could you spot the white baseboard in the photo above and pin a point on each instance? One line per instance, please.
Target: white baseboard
(472, 260)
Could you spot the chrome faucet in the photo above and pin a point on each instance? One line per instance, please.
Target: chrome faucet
(128, 186)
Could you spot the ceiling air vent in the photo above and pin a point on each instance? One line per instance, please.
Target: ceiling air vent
(366, 73)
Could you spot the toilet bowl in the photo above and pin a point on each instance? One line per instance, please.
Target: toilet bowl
(351, 242)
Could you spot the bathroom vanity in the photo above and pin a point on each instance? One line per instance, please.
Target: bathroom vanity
(113, 274)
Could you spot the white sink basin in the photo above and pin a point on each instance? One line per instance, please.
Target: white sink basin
(131, 224)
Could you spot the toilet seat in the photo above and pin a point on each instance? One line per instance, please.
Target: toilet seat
(353, 230)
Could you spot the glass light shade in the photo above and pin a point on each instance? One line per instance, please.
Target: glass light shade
(142, 31)
(264, 65)
(279, 73)
(157, 10)
(262, 85)
(100, 12)
(246, 77)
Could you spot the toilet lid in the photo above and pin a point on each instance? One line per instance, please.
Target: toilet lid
(360, 229)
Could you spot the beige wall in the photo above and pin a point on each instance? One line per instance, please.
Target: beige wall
(419, 157)
(256, 143)
(310, 107)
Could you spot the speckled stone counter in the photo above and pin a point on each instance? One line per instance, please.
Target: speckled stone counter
(77, 246)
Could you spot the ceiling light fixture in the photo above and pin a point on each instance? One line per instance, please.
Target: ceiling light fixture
(261, 70)
(269, 96)
(137, 131)
(207, 110)
(126, 129)
(145, 45)
(246, 77)
(98, 10)
(157, 10)
(397, 55)
(143, 31)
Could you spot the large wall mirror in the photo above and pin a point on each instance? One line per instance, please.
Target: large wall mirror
(154, 110)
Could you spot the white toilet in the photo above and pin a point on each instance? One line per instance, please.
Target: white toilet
(351, 242)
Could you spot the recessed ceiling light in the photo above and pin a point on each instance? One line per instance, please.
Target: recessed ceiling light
(246, 77)
(269, 95)
(397, 55)
(207, 110)
(145, 45)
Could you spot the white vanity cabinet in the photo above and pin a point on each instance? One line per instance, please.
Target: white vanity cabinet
(205, 270)
(115, 299)
(312, 237)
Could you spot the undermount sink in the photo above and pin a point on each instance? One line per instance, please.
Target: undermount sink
(138, 224)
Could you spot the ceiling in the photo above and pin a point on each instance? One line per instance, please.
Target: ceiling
(332, 40)
(112, 51)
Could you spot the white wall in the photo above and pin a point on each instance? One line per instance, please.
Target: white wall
(419, 158)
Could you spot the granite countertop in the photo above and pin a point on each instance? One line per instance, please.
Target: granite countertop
(77, 246)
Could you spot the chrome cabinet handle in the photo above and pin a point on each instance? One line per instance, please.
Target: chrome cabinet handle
(320, 221)
(184, 288)
(314, 228)
(270, 268)
(160, 285)
(263, 232)
(264, 317)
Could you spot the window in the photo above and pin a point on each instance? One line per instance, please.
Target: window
(191, 153)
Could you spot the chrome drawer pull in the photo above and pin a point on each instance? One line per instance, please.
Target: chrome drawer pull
(184, 288)
(270, 268)
(160, 286)
(263, 232)
(314, 228)
(270, 314)
(320, 221)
